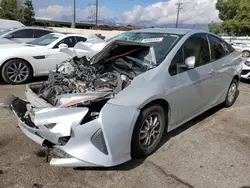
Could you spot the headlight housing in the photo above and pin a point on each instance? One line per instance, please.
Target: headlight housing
(247, 63)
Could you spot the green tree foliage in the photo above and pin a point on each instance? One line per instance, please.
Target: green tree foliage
(227, 8)
(235, 15)
(9, 9)
(15, 10)
(28, 13)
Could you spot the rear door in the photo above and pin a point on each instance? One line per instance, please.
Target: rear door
(222, 62)
(190, 86)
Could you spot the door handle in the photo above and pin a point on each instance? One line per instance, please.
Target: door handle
(211, 72)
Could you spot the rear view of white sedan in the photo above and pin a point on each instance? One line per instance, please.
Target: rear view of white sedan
(20, 62)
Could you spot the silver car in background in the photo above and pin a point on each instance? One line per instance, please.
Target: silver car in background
(143, 83)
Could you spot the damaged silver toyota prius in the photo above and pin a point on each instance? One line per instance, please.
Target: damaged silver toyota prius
(116, 105)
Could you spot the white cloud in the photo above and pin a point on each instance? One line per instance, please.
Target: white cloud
(58, 12)
(192, 12)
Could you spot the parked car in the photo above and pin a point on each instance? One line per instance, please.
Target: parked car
(8, 24)
(116, 106)
(23, 34)
(20, 62)
(244, 48)
(246, 70)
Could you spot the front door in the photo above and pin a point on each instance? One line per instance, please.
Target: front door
(55, 57)
(191, 87)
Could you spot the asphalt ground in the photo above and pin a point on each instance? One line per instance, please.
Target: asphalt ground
(212, 150)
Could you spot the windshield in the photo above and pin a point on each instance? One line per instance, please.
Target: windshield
(162, 42)
(3, 31)
(45, 40)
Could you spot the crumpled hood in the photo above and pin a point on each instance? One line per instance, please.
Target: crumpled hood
(119, 48)
(67, 100)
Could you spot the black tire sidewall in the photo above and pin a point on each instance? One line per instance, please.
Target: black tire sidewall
(10, 62)
(227, 103)
(136, 150)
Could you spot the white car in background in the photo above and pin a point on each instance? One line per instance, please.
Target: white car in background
(244, 48)
(246, 70)
(19, 62)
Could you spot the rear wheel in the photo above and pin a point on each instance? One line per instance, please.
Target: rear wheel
(232, 93)
(16, 71)
(148, 131)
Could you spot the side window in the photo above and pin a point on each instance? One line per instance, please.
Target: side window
(81, 39)
(24, 33)
(40, 33)
(70, 41)
(229, 49)
(217, 48)
(197, 46)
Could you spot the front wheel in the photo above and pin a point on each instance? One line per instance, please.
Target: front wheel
(148, 131)
(16, 71)
(232, 93)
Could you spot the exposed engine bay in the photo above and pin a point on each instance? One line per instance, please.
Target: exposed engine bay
(111, 70)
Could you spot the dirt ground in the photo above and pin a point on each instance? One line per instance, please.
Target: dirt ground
(212, 150)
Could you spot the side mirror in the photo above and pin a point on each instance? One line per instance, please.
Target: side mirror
(9, 36)
(63, 47)
(190, 62)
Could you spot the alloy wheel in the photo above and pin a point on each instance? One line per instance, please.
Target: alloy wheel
(17, 72)
(232, 92)
(150, 131)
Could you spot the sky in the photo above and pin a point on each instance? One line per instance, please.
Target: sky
(136, 12)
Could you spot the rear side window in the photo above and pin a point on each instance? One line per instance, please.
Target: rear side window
(81, 39)
(218, 50)
(24, 33)
(40, 33)
(197, 46)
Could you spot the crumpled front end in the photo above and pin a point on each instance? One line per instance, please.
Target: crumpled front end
(74, 139)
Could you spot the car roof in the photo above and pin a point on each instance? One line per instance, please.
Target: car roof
(40, 28)
(68, 34)
(178, 31)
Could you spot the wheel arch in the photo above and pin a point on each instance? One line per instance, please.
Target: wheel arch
(237, 77)
(164, 104)
(32, 68)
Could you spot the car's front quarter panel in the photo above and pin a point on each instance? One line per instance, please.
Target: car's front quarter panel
(27, 53)
(116, 123)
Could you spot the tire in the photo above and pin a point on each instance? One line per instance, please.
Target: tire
(232, 93)
(139, 146)
(16, 71)
(245, 53)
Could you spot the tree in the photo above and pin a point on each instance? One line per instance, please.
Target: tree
(235, 15)
(9, 9)
(227, 8)
(28, 13)
(243, 13)
(15, 10)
